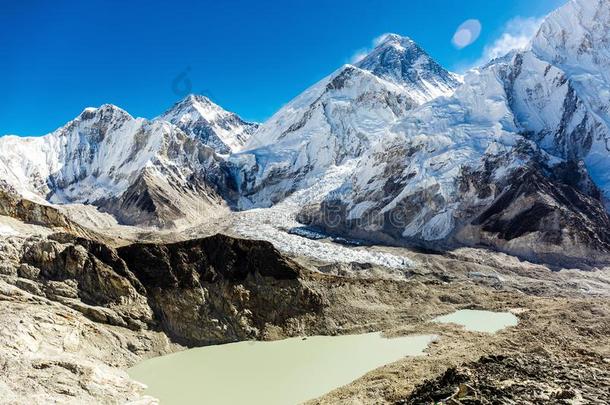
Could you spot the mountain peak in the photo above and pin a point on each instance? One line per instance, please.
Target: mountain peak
(194, 105)
(394, 40)
(105, 110)
(196, 99)
(402, 61)
(206, 121)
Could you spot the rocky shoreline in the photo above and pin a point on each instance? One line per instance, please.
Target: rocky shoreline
(80, 312)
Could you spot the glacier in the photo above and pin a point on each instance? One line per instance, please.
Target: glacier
(513, 155)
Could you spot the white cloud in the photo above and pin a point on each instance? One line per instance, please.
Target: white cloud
(517, 34)
(358, 56)
(466, 33)
(361, 53)
(377, 41)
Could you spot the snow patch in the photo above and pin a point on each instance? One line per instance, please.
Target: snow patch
(6, 230)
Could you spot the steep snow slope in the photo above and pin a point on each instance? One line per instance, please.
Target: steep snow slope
(146, 172)
(416, 166)
(576, 40)
(551, 111)
(338, 119)
(450, 170)
(316, 111)
(401, 61)
(334, 121)
(80, 152)
(200, 118)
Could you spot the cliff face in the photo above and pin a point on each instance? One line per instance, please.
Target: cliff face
(30, 212)
(205, 291)
(220, 289)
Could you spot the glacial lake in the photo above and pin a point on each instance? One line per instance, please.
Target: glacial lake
(480, 321)
(282, 372)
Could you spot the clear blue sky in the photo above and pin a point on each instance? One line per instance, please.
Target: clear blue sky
(58, 57)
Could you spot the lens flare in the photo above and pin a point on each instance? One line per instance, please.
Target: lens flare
(466, 33)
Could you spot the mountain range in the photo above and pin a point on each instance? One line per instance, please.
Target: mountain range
(512, 156)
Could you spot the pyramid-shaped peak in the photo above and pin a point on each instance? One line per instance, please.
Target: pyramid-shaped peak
(393, 39)
(194, 100)
(402, 61)
(197, 98)
(206, 121)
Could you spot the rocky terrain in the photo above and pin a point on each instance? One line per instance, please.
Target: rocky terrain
(78, 312)
(388, 193)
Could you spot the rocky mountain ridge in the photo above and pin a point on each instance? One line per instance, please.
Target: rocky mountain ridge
(144, 172)
(207, 291)
(433, 153)
(453, 159)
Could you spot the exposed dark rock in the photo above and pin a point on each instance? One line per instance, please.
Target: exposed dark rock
(544, 219)
(212, 290)
(552, 215)
(400, 60)
(162, 195)
(523, 378)
(214, 259)
(87, 276)
(219, 288)
(12, 205)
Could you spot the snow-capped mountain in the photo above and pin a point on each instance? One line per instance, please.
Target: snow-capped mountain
(515, 159)
(514, 156)
(200, 118)
(339, 118)
(144, 172)
(575, 41)
(401, 61)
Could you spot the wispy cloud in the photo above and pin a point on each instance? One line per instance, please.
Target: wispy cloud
(517, 34)
(362, 52)
(358, 55)
(377, 41)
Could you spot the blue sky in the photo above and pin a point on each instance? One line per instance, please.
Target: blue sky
(59, 57)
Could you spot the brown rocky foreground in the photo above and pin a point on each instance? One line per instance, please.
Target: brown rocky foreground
(77, 313)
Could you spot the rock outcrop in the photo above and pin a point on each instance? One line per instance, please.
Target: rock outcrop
(52, 354)
(533, 379)
(14, 206)
(220, 289)
(212, 290)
